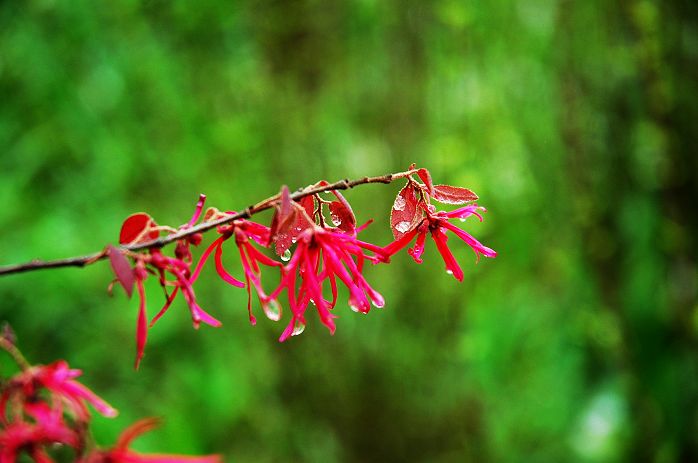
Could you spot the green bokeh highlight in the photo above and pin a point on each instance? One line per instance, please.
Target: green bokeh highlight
(573, 121)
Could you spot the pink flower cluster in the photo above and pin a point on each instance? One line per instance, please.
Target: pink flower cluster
(316, 255)
(44, 406)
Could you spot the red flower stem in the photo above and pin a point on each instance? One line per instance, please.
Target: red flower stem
(81, 261)
(11, 349)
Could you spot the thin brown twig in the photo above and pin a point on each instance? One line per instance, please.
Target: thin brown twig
(82, 261)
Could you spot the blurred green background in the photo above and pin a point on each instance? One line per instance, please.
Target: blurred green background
(575, 122)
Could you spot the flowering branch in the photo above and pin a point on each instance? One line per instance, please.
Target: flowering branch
(316, 254)
(82, 261)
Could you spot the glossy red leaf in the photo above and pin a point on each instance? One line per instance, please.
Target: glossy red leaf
(448, 194)
(140, 227)
(287, 233)
(341, 213)
(425, 176)
(122, 269)
(284, 214)
(342, 217)
(308, 204)
(406, 213)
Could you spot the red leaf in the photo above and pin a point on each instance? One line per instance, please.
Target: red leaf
(448, 194)
(284, 215)
(342, 217)
(426, 178)
(406, 213)
(287, 233)
(122, 269)
(140, 227)
(342, 214)
(285, 206)
(308, 203)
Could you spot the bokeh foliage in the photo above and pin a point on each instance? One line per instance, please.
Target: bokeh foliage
(574, 121)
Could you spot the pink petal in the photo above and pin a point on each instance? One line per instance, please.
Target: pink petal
(450, 261)
(78, 390)
(197, 211)
(168, 302)
(418, 249)
(400, 243)
(465, 212)
(204, 256)
(478, 247)
(228, 278)
(141, 325)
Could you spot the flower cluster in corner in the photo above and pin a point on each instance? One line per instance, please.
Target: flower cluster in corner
(314, 254)
(44, 408)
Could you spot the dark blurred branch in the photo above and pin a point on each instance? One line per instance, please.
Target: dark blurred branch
(268, 203)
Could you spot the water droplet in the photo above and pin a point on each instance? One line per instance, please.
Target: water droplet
(449, 271)
(402, 227)
(286, 256)
(298, 328)
(272, 309)
(336, 220)
(354, 306)
(462, 219)
(399, 203)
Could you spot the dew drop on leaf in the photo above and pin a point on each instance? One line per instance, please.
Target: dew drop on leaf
(272, 309)
(399, 203)
(402, 227)
(298, 328)
(378, 302)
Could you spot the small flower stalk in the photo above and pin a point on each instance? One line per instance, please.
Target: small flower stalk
(313, 254)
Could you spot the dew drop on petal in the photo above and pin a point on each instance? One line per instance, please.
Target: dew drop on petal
(298, 328)
(402, 227)
(462, 219)
(354, 306)
(336, 220)
(450, 272)
(272, 309)
(399, 204)
(286, 256)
